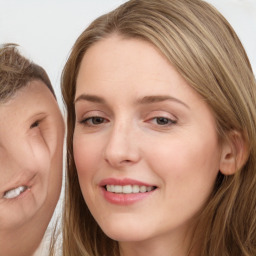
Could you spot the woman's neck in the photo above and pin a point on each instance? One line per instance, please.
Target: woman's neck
(164, 245)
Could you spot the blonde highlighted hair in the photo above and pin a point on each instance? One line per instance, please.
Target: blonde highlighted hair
(197, 40)
(16, 71)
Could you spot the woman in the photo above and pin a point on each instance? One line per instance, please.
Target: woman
(160, 98)
(31, 145)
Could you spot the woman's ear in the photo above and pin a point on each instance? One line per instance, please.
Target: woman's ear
(234, 153)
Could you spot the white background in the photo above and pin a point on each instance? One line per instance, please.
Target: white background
(47, 29)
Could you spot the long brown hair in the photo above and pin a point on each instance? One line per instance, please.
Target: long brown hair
(197, 40)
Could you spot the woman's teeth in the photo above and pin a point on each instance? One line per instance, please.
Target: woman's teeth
(15, 192)
(128, 189)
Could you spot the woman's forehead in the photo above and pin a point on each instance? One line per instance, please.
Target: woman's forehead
(30, 99)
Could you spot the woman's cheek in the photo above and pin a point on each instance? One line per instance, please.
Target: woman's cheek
(82, 155)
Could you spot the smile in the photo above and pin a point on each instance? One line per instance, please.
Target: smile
(128, 189)
(12, 193)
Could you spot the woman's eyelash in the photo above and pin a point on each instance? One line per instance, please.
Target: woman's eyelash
(98, 120)
(35, 124)
(163, 121)
(93, 121)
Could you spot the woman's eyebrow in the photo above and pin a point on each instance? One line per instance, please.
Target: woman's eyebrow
(160, 98)
(143, 100)
(91, 98)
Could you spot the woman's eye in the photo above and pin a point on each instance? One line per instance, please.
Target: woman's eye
(35, 124)
(163, 121)
(95, 120)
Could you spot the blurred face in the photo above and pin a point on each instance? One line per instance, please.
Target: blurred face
(31, 137)
(145, 143)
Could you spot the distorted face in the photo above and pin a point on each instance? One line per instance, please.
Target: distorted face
(31, 138)
(145, 143)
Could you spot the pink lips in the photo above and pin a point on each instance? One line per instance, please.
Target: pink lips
(123, 182)
(124, 199)
(23, 180)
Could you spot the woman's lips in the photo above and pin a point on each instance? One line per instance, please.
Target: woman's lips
(125, 191)
(123, 182)
(128, 189)
(17, 190)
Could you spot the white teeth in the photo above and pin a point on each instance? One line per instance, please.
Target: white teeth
(143, 189)
(149, 189)
(118, 189)
(128, 189)
(135, 189)
(14, 192)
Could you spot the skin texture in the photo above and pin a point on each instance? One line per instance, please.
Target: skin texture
(31, 141)
(150, 127)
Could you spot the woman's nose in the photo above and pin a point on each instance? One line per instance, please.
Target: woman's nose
(122, 147)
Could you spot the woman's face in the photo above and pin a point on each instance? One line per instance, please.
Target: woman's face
(145, 143)
(31, 139)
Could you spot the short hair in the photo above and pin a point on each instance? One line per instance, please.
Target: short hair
(16, 71)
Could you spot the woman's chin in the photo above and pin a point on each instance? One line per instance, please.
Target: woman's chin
(17, 212)
(127, 234)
